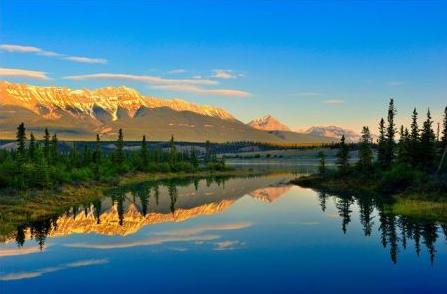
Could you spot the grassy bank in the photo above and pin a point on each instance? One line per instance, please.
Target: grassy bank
(415, 201)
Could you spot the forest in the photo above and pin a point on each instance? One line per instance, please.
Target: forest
(42, 164)
(405, 160)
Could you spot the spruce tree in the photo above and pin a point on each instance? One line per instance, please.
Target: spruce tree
(390, 134)
(365, 152)
(97, 156)
(381, 151)
(343, 156)
(414, 140)
(403, 148)
(53, 148)
(143, 154)
(119, 158)
(46, 145)
(207, 151)
(194, 159)
(428, 150)
(32, 148)
(444, 129)
(322, 166)
(21, 137)
(172, 152)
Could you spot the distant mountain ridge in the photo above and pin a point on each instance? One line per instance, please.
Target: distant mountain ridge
(334, 132)
(269, 123)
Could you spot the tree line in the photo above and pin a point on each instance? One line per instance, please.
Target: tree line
(417, 156)
(41, 164)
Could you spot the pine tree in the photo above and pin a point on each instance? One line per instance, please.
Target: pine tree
(390, 134)
(46, 145)
(194, 159)
(414, 140)
(381, 152)
(403, 148)
(97, 157)
(343, 156)
(32, 148)
(143, 154)
(365, 152)
(322, 166)
(444, 129)
(53, 148)
(21, 137)
(119, 158)
(74, 156)
(172, 152)
(428, 150)
(207, 151)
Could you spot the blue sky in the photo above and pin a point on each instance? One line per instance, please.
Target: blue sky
(307, 63)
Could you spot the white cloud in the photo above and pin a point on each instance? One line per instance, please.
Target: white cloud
(177, 71)
(86, 59)
(226, 245)
(12, 72)
(332, 101)
(21, 49)
(146, 79)
(226, 74)
(40, 51)
(202, 91)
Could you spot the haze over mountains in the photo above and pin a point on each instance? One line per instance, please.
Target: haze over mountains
(274, 126)
(78, 114)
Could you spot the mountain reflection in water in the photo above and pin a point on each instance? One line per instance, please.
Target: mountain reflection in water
(125, 211)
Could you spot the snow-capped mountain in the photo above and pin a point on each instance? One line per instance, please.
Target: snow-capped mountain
(334, 132)
(268, 123)
(49, 102)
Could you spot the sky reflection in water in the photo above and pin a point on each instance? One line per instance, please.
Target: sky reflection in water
(221, 235)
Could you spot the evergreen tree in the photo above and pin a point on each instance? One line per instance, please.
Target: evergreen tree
(143, 154)
(390, 134)
(381, 151)
(97, 154)
(119, 158)
(32, 148)
(403, 148)
(444, 129)
(343, 156)
(46, 145)
(194, 159)
(207, 151)
(53, 148)
(172, 152)
(74, 156)
(365, 152)
(21, 137)
(428, 151)
(414, 140)
(322, 166)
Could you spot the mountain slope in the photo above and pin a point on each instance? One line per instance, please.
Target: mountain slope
(80, 114)
(268, 123)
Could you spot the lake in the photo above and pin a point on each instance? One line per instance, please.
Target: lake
(251, 234)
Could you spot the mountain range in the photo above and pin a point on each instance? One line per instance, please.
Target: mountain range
(79, 114)
(274, 126)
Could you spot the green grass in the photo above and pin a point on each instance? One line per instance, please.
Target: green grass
(419, 209)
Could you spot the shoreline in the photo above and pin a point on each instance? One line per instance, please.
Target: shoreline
(33, 205)
(419, 205)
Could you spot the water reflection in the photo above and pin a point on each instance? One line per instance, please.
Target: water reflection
(127, 210)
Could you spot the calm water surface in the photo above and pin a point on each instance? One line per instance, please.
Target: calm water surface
(225, 235)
